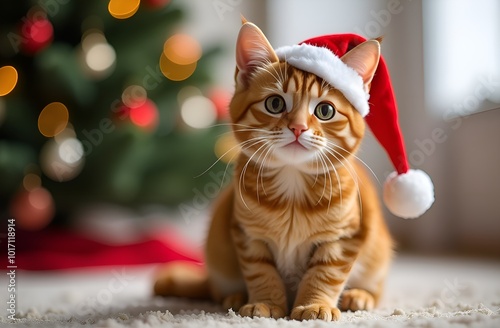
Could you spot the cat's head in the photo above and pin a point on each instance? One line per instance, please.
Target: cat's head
(282, 115)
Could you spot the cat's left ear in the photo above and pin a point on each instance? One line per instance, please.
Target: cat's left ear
(252, 51)
(364, 60)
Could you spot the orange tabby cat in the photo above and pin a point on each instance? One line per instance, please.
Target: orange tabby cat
(300, 231)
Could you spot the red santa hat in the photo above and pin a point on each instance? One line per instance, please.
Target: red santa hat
(407, 193)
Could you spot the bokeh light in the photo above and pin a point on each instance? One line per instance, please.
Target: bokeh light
(221, 99)
(134, 96)
(98, 56)
(33, 209)
(71, 151)
(40, 31)
(92, 37)
(182, 49)
(123, 9)
(31, 181)
(227, 148)
(53, 119)
(145, 115)
(37, 33)
(198, 112)
(62, 159)
(188, 92)
(176, 72)
(8, 79)
(69, 132)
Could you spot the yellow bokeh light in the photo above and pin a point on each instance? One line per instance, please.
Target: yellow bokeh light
(123, 9)
(175, 72)
(8, 79)
(32, 181)
(182, 49)
(227, 148)
(53, 119)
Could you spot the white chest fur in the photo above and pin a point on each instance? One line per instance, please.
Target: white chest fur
(289, 183)
(292, 262)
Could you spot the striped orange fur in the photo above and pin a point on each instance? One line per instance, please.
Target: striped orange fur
(299, 232)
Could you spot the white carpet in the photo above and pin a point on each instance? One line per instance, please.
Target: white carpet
(420, 292)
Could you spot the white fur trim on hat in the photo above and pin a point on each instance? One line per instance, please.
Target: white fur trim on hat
(323, 63)
(408, 195)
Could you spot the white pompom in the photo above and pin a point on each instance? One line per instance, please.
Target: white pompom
(408, 195)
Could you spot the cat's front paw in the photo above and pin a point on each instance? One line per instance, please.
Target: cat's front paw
(357, 299)
(262, 310)
(315, 311)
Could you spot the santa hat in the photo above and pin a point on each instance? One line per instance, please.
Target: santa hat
(407, 193)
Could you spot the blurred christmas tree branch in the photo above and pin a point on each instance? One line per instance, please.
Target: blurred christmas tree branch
(104, 102)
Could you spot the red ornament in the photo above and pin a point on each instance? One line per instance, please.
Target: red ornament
(145, 115)
(156, 3)
(36, 34)
(221, 99)
(33, 209)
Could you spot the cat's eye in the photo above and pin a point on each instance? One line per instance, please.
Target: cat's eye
(275, 104)
(324, 111)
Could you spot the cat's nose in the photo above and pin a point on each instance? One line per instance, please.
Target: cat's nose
(298, 128)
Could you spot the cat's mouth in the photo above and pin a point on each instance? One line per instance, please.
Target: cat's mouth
(294, 153)
(295, 145)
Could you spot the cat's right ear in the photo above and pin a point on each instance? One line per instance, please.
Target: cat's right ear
(364, 60)
(252, 51)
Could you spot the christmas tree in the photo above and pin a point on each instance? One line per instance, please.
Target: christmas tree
(102, 102)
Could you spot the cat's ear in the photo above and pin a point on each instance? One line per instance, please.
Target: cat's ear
(252, 51)
(364, 60)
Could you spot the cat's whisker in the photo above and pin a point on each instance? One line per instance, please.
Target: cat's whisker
(356, 157)
(317, 170)
(262, 166)
(232, 158)
(326, 171)
(244, 170)
(323, 164)
(331, 183)
(227, 152)
(350, 169)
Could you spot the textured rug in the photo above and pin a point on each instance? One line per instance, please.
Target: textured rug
(420, 292)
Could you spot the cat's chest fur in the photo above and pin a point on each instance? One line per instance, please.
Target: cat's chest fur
(291, 263)
(290, 231)
(289, 184)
